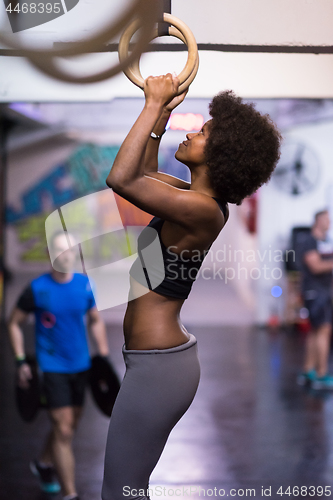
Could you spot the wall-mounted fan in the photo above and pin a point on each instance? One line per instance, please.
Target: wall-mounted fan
(298, 169)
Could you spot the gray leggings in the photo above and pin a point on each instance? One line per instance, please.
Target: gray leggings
(158, 387)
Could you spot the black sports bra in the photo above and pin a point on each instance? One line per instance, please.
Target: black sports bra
(168, 273)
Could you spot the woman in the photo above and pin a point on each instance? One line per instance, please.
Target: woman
(234, 153)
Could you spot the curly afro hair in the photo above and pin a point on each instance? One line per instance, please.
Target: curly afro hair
(242, 149)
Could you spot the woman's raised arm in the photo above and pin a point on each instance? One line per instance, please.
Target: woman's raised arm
(129, 164)
(151, 157)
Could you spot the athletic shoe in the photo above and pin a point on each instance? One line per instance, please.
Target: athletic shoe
(46, 476)
(325, 382)
(306, 378)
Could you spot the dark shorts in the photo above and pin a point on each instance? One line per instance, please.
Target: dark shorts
(319, 305)
(64, 389)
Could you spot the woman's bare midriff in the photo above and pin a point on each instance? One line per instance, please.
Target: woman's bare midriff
(152, 322)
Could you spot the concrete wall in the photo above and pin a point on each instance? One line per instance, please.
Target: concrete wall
(255, 22)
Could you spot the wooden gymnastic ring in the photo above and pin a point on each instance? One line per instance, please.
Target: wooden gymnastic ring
(187, 36)
(42, 59)
(135, 66)
(48, 64)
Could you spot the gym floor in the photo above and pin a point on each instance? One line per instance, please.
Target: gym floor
(249, 427)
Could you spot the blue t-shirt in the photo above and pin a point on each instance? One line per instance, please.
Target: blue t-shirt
(61, 338)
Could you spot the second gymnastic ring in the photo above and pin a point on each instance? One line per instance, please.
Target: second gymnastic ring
(46, 62)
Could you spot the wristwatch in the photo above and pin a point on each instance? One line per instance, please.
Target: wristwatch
(155, 136)
(20, 360)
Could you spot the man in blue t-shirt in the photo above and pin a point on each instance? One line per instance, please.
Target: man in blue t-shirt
(316, 285)
(60, 301)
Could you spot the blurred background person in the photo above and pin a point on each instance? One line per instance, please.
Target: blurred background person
(316, 285)
(60, 300)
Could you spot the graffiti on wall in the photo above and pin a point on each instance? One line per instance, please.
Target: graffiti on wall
(82, 173)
